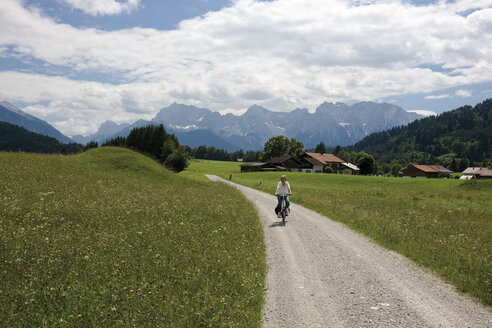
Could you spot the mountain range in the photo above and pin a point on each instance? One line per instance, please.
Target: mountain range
(334, 124)
(13, 115)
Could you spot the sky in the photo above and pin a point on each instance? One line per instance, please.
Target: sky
(78, 63)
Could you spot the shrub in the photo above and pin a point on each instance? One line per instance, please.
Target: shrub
(177, 161)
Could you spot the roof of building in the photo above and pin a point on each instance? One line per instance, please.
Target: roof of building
(324, 158)
(474, 170)
(486, 173)
(442, 169)
(432, 168)
(313, 161)
(351, 166)
(426, 168)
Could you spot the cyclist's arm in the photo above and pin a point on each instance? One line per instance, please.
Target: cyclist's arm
(276, 191)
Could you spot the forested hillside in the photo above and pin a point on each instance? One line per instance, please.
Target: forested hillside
(455, 139)
(15, 138)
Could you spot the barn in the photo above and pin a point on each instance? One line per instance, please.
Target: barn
(426, 171)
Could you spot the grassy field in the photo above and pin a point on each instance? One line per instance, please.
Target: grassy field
(110, 238)
(445, 225)
(199, 167)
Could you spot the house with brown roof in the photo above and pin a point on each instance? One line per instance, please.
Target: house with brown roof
(426, 171)
(307, 162)
(476, 173)
(317, 162)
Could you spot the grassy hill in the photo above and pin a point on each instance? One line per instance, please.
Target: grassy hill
(445, 225)
(110, 238)
(455, 139)
(15, 138)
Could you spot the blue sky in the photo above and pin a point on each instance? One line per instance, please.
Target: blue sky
(78, 63)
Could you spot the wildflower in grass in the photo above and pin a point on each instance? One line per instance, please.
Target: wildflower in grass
(163, 319)
(220, 277)
(151, 318)
(198, 314)
(212, 308)
(140, 294)
(209, 293)
(225, 303)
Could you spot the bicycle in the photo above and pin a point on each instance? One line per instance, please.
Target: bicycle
(283, 210)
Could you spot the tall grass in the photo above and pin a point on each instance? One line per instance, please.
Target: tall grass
(110, 238)
(445, 225)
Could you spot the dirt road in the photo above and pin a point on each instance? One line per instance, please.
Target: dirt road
(321, 274)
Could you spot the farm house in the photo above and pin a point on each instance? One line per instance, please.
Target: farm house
(426, 171)
(476, 173)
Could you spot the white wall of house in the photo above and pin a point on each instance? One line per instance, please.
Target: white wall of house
(318, 168)
(307, 170)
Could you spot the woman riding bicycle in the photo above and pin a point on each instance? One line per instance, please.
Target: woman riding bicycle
(283, 189)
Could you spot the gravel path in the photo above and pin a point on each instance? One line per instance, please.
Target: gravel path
(321, 274)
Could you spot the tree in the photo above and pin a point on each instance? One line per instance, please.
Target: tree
(281, 146)
(320, 148)
(395, 169)
(157, 138)
(295, 148)
(177, 161)
(366, 163)
(90, 145)
(385, 168)
(116, 142)
(489, 164)
(168, 147)
(337, 150)
(328, 169)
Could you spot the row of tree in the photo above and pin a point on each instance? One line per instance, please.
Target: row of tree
(212, 153)
(16, 138)
(155, 142)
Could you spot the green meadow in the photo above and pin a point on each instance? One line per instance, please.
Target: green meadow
(444, 225)
(199, 167)
(111, 238)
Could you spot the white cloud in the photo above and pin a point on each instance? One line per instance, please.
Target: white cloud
(442, 96)
(103, 7)
(281, 54)
(423, 112)
(463, 93)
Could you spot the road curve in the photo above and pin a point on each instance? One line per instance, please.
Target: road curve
(321, 274)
